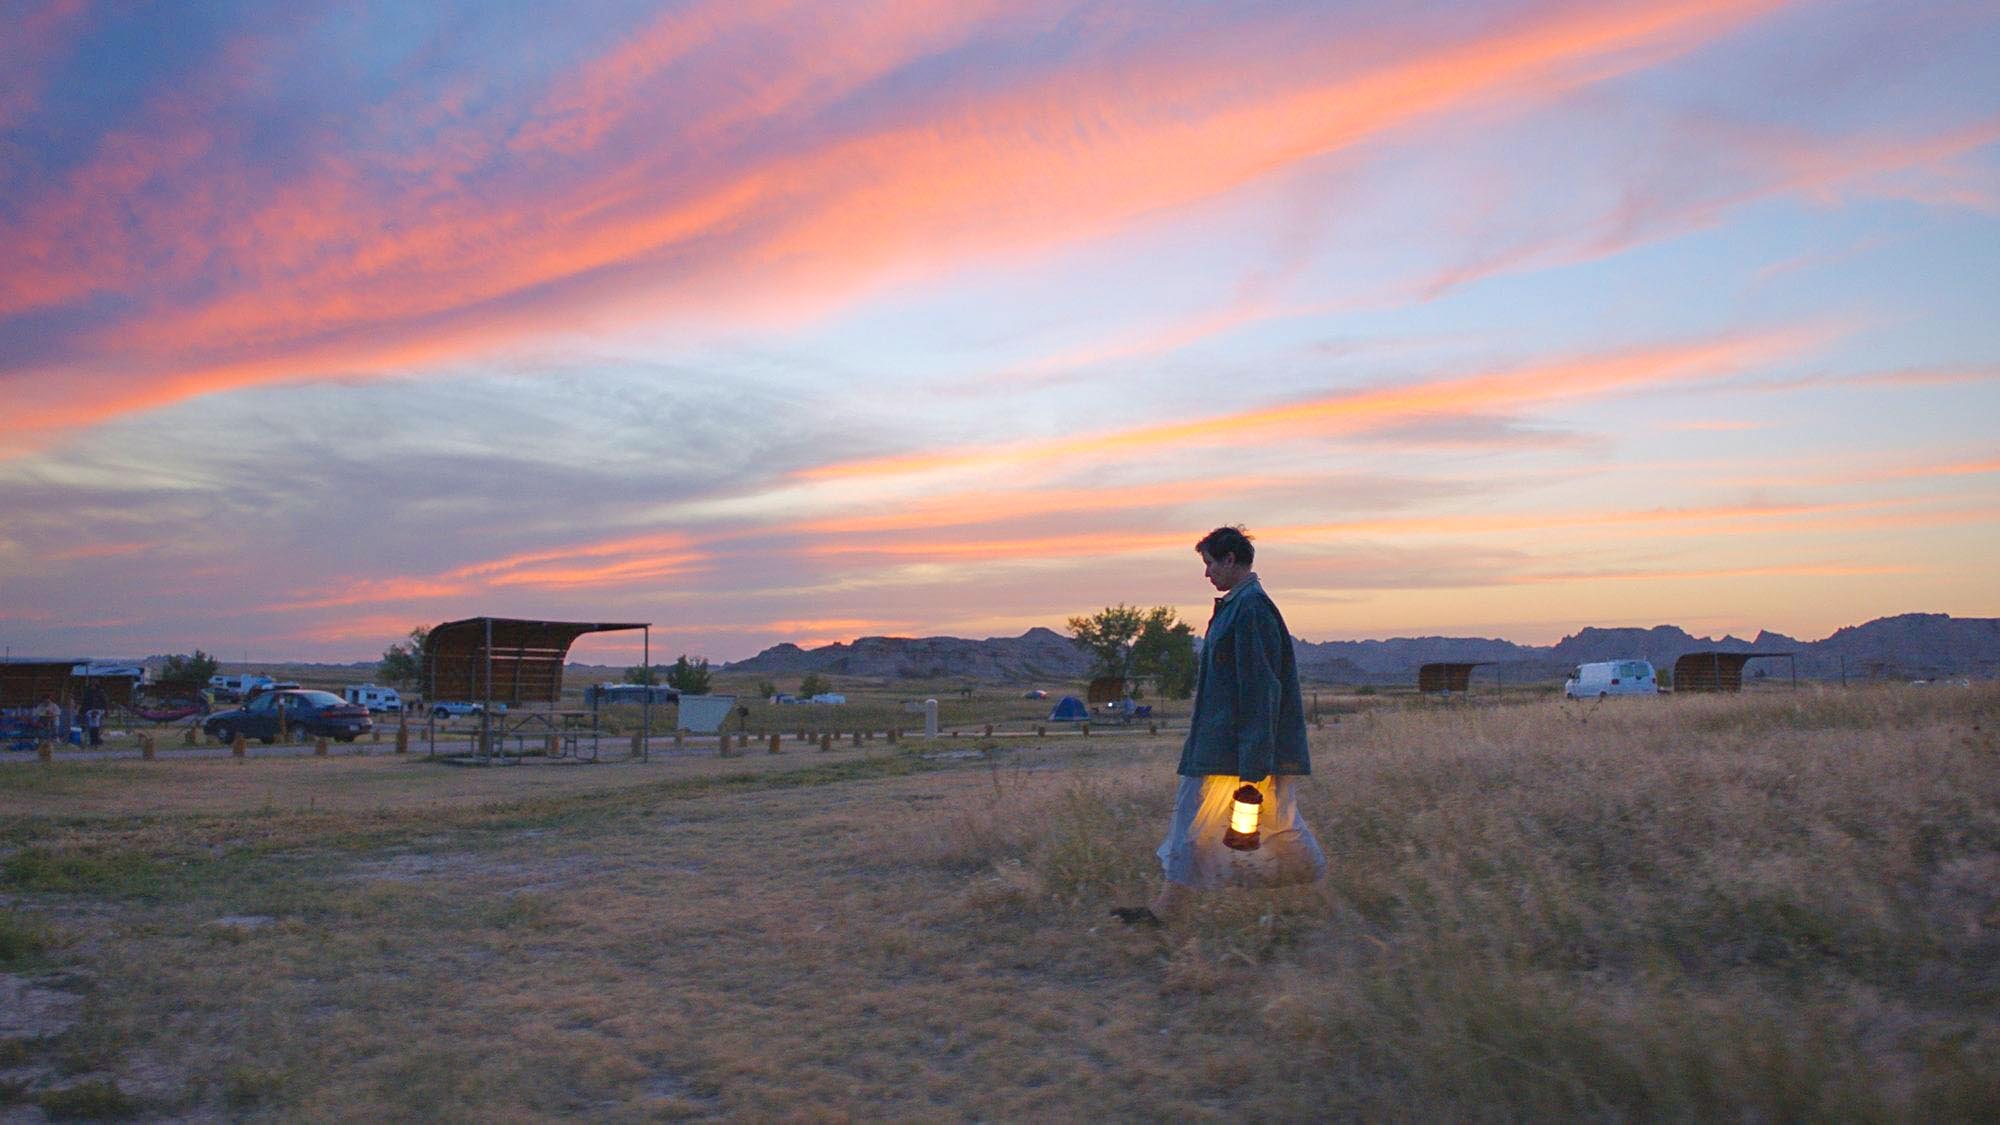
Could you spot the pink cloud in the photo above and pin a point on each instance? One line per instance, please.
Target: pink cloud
(364, 266)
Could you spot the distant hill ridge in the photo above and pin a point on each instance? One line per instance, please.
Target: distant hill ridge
(1911, 645)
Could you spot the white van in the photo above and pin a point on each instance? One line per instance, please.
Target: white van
(372, 697)
(1611, 677)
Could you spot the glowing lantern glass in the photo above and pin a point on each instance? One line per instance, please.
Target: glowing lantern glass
(1243, 813)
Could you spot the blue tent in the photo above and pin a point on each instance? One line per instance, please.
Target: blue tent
(1069, 710)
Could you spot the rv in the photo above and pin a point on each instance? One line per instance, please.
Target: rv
(597, 694)
(1611, 677)
(372, 697)
(237, 687)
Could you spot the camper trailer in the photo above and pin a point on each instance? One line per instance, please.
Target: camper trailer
(1611, 677)
(238, 687)
(372, 697)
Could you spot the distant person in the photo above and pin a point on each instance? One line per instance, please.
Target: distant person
(47, 716)
(93, 717)
(1248, 728)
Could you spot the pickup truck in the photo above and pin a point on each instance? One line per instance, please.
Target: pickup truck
(446, 709)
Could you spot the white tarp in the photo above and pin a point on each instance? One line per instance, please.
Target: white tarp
(704, 714)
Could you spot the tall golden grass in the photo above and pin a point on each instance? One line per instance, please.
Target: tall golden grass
(1777, 906)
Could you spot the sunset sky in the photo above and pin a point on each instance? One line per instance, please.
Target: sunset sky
(767, 322)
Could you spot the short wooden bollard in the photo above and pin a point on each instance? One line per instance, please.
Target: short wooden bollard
(1041, 732)
(1152, 728)
(237, 747)
(680, 740)
(193, 736)
(319, 748)
(146, 747)
(857, 738)
(402, 740)
(46, 751)
(638, 743)
(1086, 730)
(989, 730)
(722, 744)
(549, 747)
(375, 735)
(892, 736)
(774, 745)
(825, 743)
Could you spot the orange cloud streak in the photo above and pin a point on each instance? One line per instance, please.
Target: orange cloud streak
(1583, 377)
(1961, 469)
(1829, 570)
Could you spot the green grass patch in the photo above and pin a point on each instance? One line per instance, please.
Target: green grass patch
(96, 1100)
(111, 872)
(23, 940)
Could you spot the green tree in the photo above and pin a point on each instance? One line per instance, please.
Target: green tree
(642, 674)
(689, 676)
(813, 684)
(187, 674)
(1164, 652)
(402, 665)
(766, 689)
(1108, 635)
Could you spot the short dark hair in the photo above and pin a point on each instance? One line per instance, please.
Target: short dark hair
(1232, 541)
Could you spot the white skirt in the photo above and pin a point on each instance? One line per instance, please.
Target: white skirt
(1195, 856)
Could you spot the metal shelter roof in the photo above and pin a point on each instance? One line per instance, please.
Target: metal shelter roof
(1714, 670)
(1447, 676)
(504, 659)
(24, 683)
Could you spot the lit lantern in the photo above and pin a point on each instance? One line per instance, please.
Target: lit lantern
(1243, 811)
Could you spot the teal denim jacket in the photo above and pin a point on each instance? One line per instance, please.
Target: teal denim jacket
(1248, 719)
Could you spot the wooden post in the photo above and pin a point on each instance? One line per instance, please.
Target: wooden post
(638, 742)
(1152, 728)
(825, 743)
(237, 747)
(45, 750)
(722, 743)
(680, 739)
(403, 739)
(1086, 730)
(193, 735)
(375, 735)
(775, 739)
(146, 747)
(1041, 731)
(857, 738)
(892, 735)
(549, 747)
(319, 748)
(989, 730)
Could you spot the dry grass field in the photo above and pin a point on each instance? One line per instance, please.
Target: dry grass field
(1768, 907)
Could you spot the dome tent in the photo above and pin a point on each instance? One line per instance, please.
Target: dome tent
(1069, 709)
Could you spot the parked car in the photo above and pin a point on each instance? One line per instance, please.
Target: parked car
(319, 714)
(1038, 693)
(446, 709)
(1611, 677)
